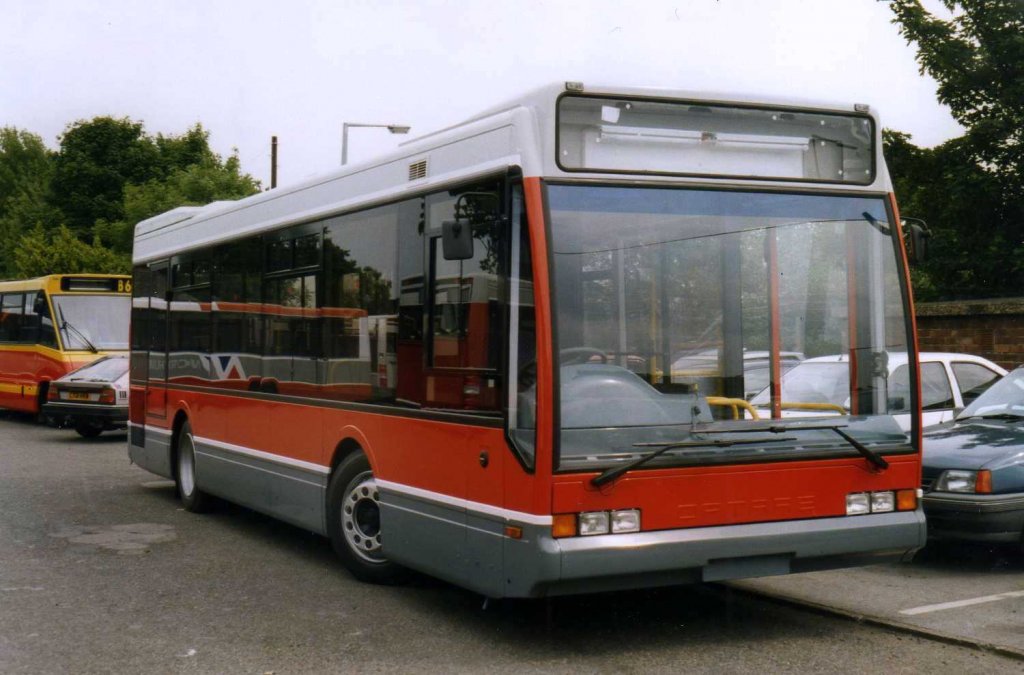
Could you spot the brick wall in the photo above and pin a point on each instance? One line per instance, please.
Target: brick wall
(990, 328)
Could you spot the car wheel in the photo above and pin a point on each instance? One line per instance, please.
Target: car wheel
(88, 429)
(353, 521)
(194, 499)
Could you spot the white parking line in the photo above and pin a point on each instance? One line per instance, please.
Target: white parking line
(962, 603)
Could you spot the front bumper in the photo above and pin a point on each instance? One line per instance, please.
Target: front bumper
(973, 517)
(622, 561)
(116, 415)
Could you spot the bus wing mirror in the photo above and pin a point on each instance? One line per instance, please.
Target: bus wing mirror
(457, 239)
(917, 235)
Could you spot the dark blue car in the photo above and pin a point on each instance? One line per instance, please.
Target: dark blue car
(973, 474)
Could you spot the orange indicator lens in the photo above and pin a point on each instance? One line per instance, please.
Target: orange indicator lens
(984, 483)
(513, 532)
(563, 525)
(906, 500)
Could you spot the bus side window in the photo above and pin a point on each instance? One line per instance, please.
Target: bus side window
(361, 310)
(11, 314)
(467, 299)
(38, 324)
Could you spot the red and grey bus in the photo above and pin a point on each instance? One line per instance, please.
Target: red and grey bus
(458, 358)
(51, 325)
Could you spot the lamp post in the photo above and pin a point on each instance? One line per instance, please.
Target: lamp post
(393, 128)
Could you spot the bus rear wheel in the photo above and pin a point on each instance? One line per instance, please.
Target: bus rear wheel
(192, 498)
(353, 522)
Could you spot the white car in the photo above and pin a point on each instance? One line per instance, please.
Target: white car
(92, 399)
(949, 382)
(705, 364)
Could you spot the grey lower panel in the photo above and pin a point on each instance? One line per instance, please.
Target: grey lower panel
(291, 494)
(432, 537)
(538, 565)
(154, 455)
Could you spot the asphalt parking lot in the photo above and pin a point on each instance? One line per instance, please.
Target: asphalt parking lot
(102, 571)
(972, 593)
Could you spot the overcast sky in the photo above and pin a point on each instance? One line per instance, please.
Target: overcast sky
(249, 69)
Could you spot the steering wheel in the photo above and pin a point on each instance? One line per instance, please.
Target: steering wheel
(566, 357)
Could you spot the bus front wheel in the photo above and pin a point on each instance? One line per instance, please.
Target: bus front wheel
(192, 498)
(353, 522)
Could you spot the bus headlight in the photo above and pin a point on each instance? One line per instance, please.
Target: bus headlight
(883, 502)
(593, 522)
(588, 523)
(626, 520)
(858, 503)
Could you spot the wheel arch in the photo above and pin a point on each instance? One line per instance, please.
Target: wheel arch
(42, 391)
(351, 440)
(180, 418)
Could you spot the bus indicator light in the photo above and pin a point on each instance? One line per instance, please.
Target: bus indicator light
(906, 500)
(513, 532)
(563, 525)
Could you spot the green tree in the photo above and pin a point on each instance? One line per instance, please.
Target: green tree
(40, 252)
(25, 171)
(179, 152)
(977, 58)
(970, 189)
(97, 158)
(209, 180)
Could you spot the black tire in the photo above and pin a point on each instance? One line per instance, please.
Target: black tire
(353, 522)
(192, 498)
(89, 429)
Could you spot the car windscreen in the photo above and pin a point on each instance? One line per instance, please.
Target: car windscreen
(1005, 397)
(108, 369)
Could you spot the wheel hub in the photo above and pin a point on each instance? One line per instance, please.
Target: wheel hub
(360, 518)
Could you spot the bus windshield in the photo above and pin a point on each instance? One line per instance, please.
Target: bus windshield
(669, 300)
(97, 320)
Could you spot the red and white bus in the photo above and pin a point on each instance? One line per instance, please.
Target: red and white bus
(51, 325)
(459, 357)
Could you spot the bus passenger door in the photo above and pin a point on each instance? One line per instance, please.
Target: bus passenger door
(485, 532)
(466, 340)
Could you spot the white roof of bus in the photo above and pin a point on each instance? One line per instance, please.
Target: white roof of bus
(510, 134)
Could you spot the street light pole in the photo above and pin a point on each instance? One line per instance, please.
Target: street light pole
(393, 128)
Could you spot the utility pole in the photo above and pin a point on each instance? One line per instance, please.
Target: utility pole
(273, 162)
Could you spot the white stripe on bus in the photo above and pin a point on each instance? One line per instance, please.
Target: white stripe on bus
(465, 504)
(259, 454)
(429, 495)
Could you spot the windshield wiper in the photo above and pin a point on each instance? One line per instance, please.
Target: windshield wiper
(616, 471)
(873, 457)
(611, 474)
(877, 460)
(65, 326)
(876, 223)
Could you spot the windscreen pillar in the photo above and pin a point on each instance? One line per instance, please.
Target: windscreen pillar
(731, 357)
